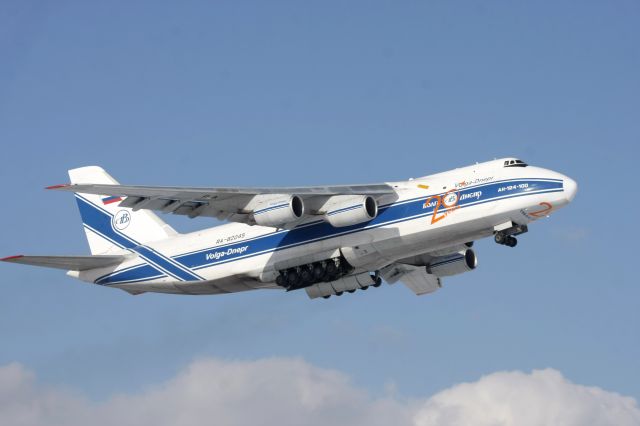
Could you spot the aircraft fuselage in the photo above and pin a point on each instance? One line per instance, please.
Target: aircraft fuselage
(424, 215)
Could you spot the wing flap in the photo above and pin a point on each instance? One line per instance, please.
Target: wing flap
(68, 263)
(420, 282)
(414, 277)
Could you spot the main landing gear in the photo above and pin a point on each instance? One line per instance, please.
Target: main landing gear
(506, 237)
(376, 282)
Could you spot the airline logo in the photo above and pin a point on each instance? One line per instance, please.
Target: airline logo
(448, 201)
(475, 181)
(121, 220)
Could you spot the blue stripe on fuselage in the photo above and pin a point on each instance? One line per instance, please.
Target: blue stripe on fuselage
(389, 214)
(137, 273)
(393, 213)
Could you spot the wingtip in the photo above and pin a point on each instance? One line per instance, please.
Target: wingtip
(64, 185)
(10, 258)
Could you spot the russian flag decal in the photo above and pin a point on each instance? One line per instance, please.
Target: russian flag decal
(111, 199)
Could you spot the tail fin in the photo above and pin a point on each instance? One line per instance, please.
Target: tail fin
(108, 226)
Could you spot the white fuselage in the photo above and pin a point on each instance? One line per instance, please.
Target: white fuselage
(423, 216)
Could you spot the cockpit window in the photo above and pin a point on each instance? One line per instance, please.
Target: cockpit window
(515, 163)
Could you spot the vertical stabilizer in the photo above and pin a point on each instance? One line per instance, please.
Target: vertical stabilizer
(108, 226)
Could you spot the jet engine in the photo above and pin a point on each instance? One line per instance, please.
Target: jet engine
(459, 248)
(453, 264)
(346, 210)
(277, 210)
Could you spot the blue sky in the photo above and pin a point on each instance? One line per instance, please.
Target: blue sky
(295, 93)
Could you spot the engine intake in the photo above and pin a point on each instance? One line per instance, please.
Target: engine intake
(347, 210)
(454, 264)
(276, 211)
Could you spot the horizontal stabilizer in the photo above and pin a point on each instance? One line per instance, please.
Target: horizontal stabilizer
(68, 263)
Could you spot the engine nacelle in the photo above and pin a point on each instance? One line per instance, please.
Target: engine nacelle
(346, 210)
(454, 264)
(452, 250)
(277, 210)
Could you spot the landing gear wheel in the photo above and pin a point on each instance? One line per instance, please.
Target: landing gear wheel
(292, 278)
(511, 242)
(326, 297)
(364, 288)
(339, 293)
(378, 282)
(500, 238)
(318, 272)
(351, 291)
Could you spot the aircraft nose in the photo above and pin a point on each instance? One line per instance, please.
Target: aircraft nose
(570, 188)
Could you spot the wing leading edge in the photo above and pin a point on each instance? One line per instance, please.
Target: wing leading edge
(225, 203)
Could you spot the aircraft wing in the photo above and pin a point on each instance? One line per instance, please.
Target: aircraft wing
(225, 203)
(68, 263)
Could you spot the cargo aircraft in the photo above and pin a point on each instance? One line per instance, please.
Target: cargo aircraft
(327, 240)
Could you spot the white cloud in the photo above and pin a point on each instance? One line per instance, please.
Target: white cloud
(286, 391)
(543, 397)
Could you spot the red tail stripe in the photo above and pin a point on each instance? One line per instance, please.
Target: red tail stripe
(4, 259)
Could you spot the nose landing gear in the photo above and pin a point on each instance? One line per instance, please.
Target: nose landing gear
(506, 240)
(506, 237)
